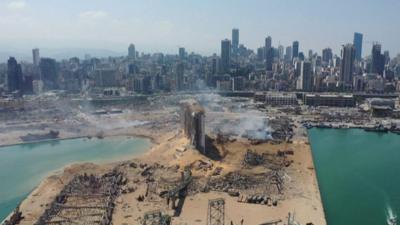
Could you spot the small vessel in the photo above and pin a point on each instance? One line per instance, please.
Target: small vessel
(379, 128)
(40, 137)
(396, 132)
(322, 125)
(392, 220)
(308, 125)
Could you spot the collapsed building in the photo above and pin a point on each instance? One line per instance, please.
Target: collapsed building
(381, 107)
(193, 124)
(86, 199)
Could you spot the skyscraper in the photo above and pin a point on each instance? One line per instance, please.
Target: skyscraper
(132, 51)
(260, 53)
(14, 75)
(357, 42)
(281, 51)
(301, 56)
(225, 55)
(386, 56)
(36, 56)
(268, 42)
(182, 53)
(310, 54)
(295, 49)
(346, 72)
(288, 54)
(49, 73)
(269, 53)
(235, 40)
(215, 65)
(179, 79)
(378, 60)
(305, 80)
(327, 55)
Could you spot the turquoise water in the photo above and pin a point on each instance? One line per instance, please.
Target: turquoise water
(358, 174)
(22, 167)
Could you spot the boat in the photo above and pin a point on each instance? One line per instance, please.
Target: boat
(392, 221)
(379, 128)
(40, 137)
(322, 125)
(308, 126)
(395, 132)
(391, 218)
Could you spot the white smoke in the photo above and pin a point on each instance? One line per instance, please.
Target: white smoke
(110, 122)
(247, 125)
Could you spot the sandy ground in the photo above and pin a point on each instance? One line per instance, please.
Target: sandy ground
(301, 196)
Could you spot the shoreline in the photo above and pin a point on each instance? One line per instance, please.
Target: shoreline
(152, 149)
(89, 137)
(154, 141)
(316, 175)
(103, 163)
(307, 179)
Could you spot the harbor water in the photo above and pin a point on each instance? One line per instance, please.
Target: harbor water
(358, 175)
(23, 166)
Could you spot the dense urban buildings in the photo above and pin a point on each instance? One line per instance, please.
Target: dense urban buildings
(236, 118)
(235, 68)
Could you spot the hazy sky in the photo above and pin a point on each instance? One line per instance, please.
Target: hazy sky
(198, 25)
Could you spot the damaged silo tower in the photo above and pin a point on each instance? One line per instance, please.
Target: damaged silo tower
(193, 124)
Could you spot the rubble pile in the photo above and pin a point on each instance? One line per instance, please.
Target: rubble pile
(253, 159)
(15, 217)
(282, 129)
(202, 165)
(258, 199)
(271, 161)
(86, 199)
(235, 181)
(275, 179)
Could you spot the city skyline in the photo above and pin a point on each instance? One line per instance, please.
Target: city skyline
(155, 26)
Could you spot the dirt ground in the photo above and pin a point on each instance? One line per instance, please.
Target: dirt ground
(301, 194)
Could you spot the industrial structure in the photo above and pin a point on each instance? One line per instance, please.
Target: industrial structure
(87, 199)
(193, 124)
(278, 99)
(329, 100)
(216, 212)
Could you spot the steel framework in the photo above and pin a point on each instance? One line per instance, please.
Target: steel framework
(216, 212)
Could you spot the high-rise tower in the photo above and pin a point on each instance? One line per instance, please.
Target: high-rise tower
(235, 40)
(36, 56)
(346, 72)
(357, 42)
(225, 55)
(269, 53)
